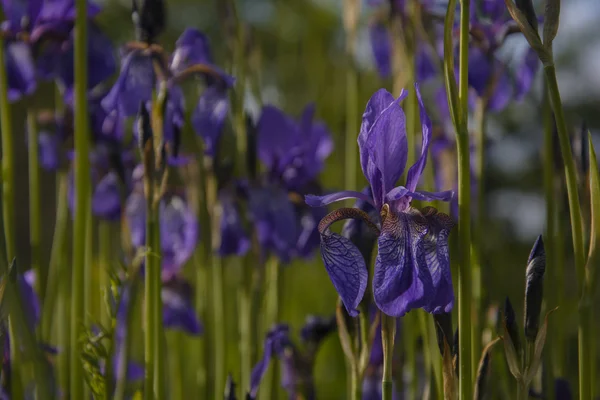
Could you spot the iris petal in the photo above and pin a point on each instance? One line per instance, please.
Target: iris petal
(209, 116)
(399, 282)
(346, 268)
(319, 201)
(381, 45)
(414, 173)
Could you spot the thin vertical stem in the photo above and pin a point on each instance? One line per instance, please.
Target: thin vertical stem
(159, 334)
(554, 284)
(245, 321)
(351, 11)
(464, 212)
(273, 288)
(150, 293)
(8, 177)
(576, 222)
(82, 196)
(35, 218)
(105, 251)
(388, 333)
(476, 346)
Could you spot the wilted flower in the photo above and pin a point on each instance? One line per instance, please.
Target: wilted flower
(412, 269)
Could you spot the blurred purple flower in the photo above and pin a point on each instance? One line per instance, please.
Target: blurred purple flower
(412, 269)
(133, 371)
(178, 229)
(178, 312)
(209, 117)
(20, 69)
(234, 238)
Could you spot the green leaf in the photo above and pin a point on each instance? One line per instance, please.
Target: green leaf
(594, 252)
(450, 77)
(512, 358)
(551, 17)
(538, 348)
(483, 371)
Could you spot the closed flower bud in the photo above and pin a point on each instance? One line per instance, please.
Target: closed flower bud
(510, 322)
(534, 289)
(526, 7)
(149, 20)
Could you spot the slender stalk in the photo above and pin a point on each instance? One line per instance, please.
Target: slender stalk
(388, 333)
(554, 284)
(479, 233)
(8, 177)
(356, 384)
(35, 218)
(245, 321)
(522, 390)
(159, 334)
(202, 262)
(150, 293)
(105, 252)
(351, 11)
(410, 356)
(464, 207)
(82, 196)
(576, 223)
(273, 292)
(123, 361)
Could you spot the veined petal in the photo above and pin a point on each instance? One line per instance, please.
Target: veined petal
(433, 252)
(414, 173)
(346, 268)
(400, 283)
(431, 196)
(387, 145)
(320, 201)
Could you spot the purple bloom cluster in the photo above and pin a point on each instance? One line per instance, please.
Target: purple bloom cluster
(412, 269)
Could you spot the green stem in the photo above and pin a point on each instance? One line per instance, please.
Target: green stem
(410, 356)
(8, 177)
(35, 219)
(464, 207)
(356, 384)
(123, 361)
(576, 222)
(273, 289)
(82, 197)
(388, 333)
(479, 233)
(522, 390)
(150, 293)
(218, 286)
(105, 251)
(584, 337)
(554, 284)
(245, 321)
(352, 117)
(159, 337)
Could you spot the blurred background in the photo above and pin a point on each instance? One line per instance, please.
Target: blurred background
(300, 58)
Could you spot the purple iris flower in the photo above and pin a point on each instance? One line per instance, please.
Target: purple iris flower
(490, 76)
(178, 229)
(178, 312)
(296, 367)
(412, 269)
(234, 238)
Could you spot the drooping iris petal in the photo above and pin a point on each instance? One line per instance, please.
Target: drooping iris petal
(400, 282)
(106, 197)
(381, 45)
(503, 88)
(20, 70)
(480, 70)
(209, 116)
(316, 329)
(261, 367)
(234, 238)
(308, 234)
(320, 201)
(190, 48)
(274, 219)
(346, 268)
(178, 312)
(134, 85)
(178, 233)
(277, 135)
(414, 173)
(357, 230)
(433, 251)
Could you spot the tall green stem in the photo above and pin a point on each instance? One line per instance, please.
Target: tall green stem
(8, 177)
(554, 284)
(464, 212)
(82, 196)
(351, 11)
(35, 219)
(159, 334)
(479, 233)
(273, 289)
(245, 321)
(388, 333)
(105, 251)
(576, 222)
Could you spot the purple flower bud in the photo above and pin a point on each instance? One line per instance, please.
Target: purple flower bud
(149, 19)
